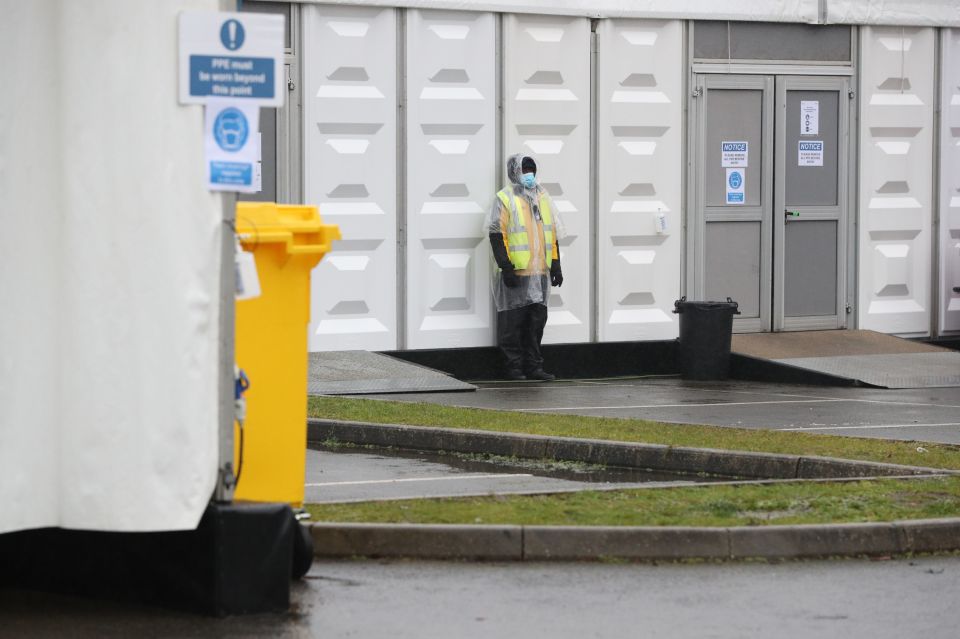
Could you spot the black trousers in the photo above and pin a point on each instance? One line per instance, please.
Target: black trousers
(519, 332)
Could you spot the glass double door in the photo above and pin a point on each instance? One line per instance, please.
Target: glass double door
(769, 198)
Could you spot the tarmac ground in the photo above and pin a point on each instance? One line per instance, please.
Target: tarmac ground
(923, 414)
(845, 598)
(397, 599)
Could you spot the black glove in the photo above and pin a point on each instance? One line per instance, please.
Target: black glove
(510, 278)
(556, 275)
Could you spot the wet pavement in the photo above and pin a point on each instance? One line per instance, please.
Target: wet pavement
(361, 474)
(843, 599)
(927, 414)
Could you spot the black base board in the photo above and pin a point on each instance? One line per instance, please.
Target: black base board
(609, 359)
(237, 561)
(566, 361)
(952, 343)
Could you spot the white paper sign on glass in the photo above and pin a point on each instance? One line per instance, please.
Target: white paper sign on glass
(230, 145)
(734, 154)
(735, 186)
(810, 153)
(231, 55)
(809, 117)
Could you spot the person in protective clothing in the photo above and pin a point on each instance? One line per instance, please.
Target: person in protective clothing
(523, 227)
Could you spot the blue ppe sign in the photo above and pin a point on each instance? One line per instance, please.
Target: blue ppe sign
(231, 55)
(229, 77)
(231, 130)
(232, 34)
(231, 146)
(735, 186)
(231, 173)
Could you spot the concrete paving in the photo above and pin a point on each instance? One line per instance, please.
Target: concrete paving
(838, 599)
(877, 359)
(928, 414)
(576, 543)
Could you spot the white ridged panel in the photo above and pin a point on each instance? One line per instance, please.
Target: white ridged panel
(350, 133)
(451, 177)
(896, 146)
(639, 121)
(950, 183)
(547, 115)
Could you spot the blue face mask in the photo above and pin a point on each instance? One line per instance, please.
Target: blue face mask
(529, 180)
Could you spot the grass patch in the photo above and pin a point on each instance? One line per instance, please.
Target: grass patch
(741, 505)
(636, 430)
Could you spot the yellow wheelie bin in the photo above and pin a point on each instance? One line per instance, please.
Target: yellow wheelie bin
(271, 347)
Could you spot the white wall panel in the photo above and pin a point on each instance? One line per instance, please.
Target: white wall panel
(451, 177)
(950, 183)
(896, 148)
(547, 115)
(640, 106)
(350, 157)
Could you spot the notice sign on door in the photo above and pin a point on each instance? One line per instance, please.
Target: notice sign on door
(809, 117)
(735, 186)
(734, 154)
(230, 142)
(810, 153)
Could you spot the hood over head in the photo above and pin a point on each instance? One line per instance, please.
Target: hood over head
(517, 165)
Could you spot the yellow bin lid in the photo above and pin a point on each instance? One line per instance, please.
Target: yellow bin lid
(298, 228)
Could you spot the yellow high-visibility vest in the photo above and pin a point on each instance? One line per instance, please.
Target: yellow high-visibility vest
(516, 236)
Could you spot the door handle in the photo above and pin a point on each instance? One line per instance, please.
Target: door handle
(790, 214)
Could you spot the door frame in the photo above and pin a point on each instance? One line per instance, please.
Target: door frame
(816, 78)
(841, 212)
(697, 217)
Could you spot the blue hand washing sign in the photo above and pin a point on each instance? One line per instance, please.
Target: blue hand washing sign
(232, 35)
(230, 130)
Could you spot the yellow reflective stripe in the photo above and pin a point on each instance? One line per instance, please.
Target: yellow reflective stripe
(548, 235)
(509, 198)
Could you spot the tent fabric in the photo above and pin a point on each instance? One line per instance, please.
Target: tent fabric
(921, 13)
(109, 274)
(805, 11)
(942, 13)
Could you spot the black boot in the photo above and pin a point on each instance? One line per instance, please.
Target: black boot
(541, 375)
